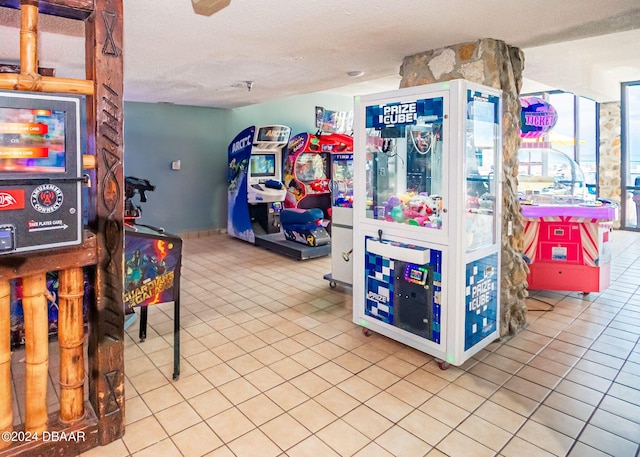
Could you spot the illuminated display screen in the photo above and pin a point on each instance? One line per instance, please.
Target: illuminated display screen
(262, 165)
(311, 166)
(32, 140)
(416, 274)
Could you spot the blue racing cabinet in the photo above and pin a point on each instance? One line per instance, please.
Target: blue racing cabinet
(427, 217)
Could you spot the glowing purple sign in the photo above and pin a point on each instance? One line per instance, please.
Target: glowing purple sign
(537, 117)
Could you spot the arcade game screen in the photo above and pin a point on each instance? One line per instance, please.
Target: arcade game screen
(262, 165)
(32, 140)
(312, 166)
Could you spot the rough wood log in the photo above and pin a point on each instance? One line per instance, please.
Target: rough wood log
(6, 410)
(36, 332)
(70, 339)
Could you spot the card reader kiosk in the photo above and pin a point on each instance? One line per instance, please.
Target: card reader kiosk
(41, 140)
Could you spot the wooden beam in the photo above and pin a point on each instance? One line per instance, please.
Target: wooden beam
(29, 37)
(6, 400)
(20, 265)
(37, 83)
(105, 116)
(11, 68)
(71, 9)
(79, 438)
(36, 336)
(70, 341)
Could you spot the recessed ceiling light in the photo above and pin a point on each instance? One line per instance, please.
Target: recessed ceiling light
(355, 73)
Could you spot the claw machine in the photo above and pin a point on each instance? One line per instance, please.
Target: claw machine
(427, 217)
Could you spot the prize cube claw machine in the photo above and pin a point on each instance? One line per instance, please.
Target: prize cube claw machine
(427, 217)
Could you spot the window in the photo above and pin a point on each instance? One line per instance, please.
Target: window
(576, 132)
(631, 154)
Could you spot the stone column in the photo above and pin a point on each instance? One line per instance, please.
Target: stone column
(609, 169)
(491, 63)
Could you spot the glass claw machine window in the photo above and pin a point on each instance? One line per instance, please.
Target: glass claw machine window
(480, 157)
(404, 165)
(427, 217)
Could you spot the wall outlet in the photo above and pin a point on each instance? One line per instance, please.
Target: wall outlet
(175, 165)
(509, 228)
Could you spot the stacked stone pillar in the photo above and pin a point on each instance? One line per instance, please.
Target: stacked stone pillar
(610, 175)
(491, 63)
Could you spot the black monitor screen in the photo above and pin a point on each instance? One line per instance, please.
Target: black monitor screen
(263, 165)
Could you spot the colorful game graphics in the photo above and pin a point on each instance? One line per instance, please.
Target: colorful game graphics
(150, 266)
(307, 174)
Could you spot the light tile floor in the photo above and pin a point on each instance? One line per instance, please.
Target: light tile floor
(272, 365)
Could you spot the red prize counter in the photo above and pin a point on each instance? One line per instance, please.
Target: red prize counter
(568, 247)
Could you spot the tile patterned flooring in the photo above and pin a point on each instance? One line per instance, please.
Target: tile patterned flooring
(272, 365)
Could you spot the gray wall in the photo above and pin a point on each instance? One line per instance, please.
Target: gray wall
(190, 199)
(297, 112)
(195, 197)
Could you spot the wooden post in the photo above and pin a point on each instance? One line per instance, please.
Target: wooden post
(29, 37)
(36, 334)
(6, 411)
(105, 115)
(70, 339)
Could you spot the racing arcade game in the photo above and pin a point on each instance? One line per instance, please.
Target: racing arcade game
(256, 192)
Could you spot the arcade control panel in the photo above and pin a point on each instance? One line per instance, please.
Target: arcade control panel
(413, 286)
(43, 215)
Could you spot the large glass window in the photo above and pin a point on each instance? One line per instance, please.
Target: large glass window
(576, 132)
(562, 136)
(631, 153)
(587, 140)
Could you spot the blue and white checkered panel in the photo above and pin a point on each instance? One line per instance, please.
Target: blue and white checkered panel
(481, 299)
(379, 301)
(379, 288)
(436, 263)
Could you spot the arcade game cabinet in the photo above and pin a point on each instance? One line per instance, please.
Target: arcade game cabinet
(567, 230)
(41, 141)
(152, 260)
(256, 191)
(426, 251)
(255, 181)
(307, 169)
(307, 173)
(567, 233)
(341, 216)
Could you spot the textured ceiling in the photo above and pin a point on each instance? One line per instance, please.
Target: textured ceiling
(289, 47)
